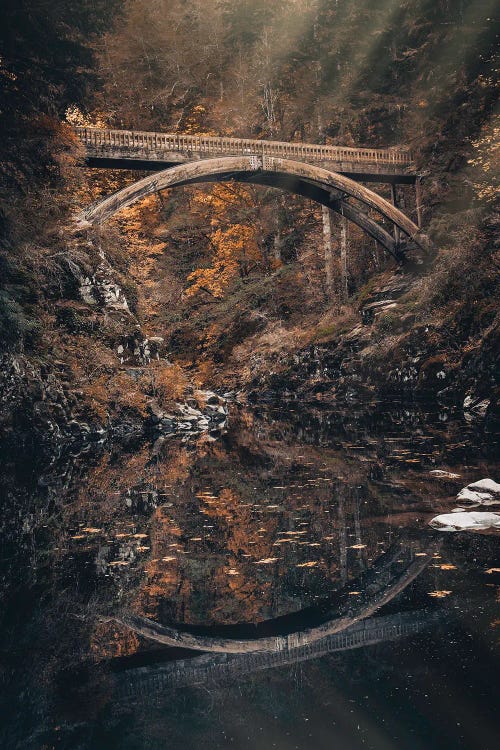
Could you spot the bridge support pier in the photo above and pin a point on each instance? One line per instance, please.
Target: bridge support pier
(418, 201)
(394, 201)
(328, 245)
(343, 260)
(328, 250)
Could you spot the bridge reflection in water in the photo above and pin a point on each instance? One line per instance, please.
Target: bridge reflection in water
(142, 682)
(339, 623)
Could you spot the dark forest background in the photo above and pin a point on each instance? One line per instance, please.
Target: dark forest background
(219, 271)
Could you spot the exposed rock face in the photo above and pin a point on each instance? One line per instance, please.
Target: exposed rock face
(414, 361)
(36, 402)
(190, 420)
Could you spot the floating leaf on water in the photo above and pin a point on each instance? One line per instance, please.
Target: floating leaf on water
(118, 563)
(311, 564)
(79, 536)
(354, 593)
(266, 561)
(439, 594)
(232, 572)
(357, 546)
(492, 570)
(196, 539)
(140, 536)
(90, 530)
(447, 566)
(143, 549)
(168, 559)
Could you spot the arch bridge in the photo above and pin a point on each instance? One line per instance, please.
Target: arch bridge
(330, 175)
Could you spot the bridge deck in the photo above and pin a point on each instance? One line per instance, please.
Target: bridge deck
(126, 149)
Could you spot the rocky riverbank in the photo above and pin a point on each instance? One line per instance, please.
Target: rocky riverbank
(386, 352)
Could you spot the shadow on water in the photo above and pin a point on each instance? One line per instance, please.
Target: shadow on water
(294, 554)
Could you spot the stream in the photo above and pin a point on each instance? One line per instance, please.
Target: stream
(302, 530)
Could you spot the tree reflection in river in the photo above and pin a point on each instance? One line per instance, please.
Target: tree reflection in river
(275, 517)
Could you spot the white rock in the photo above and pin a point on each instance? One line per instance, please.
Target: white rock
(465, 521)
(469, 496)
(488, 485)
(483, 492)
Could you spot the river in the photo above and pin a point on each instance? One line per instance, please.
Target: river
(296, 518)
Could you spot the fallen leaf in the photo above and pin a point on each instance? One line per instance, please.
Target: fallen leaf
(266, 561)
(439, 594)
(308, 564)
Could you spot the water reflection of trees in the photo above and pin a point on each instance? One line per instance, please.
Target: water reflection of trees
(127, 530)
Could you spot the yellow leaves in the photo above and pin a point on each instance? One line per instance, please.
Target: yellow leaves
(233, 239)
(120, 390)
(77, 118)
(311, 564)
(166, 382)
(486, 161)
(439, 594)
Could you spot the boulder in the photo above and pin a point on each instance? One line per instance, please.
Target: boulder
(465, 521)
(483, 492)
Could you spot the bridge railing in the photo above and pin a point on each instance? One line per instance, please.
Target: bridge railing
(217, 146)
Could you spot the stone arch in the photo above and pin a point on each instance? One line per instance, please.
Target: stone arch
(321, 185)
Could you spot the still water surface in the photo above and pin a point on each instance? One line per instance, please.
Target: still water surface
(295, 517)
